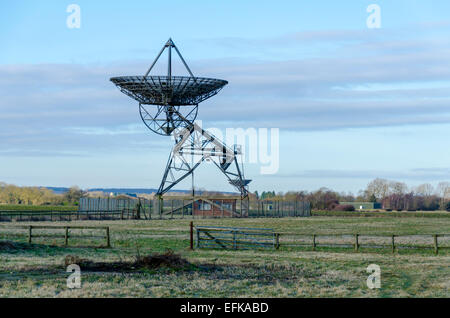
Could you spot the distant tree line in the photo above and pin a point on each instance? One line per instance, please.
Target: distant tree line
(265, 195)
(392, 195)
(398, 196)
(11, 194)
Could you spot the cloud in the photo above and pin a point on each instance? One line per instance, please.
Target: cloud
(367, 80)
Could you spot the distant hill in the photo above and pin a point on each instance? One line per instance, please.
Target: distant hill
(57, 190)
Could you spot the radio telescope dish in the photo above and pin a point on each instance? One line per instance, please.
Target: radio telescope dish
(165, 90)
(168, 106)
(169, 95)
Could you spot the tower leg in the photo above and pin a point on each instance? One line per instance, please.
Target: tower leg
(193, 146)
(245, 206)
(158, 205)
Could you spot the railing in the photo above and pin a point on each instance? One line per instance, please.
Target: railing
(56, 232)
(233, 238)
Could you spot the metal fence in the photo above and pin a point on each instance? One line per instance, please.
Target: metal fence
(168, 208)
(106, 204)
(234, 238)
(188, 207)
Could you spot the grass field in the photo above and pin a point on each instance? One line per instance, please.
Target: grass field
(328, 272)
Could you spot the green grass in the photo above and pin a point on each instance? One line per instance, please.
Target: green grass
(38, 270)
(23, 207)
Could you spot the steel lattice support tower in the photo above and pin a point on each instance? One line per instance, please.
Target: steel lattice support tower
(168, 106)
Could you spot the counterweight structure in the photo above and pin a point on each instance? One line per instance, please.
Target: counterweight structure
(168, 106)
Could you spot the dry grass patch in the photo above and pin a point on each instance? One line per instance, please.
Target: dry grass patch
(167, 260)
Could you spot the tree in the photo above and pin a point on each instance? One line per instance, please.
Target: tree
(394, 201)
(397, 187)
(74, 194)
(447, 206)
(443, 191)
(378, 187)
(267, 195)
(322, 198)
(425, 189)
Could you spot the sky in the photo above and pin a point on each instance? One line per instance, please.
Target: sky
(351, 103)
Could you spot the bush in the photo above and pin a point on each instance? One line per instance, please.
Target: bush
(346, 207)
(332, 204)
(447, 206)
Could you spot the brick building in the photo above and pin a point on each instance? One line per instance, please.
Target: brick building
(215, 207)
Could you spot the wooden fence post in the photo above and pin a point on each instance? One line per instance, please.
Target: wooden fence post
(198, 238)
(393, 243)
(278, 241)
(108, 240)
(356, 242)
(314, 242)
(29, 233)
(66, 236)
(191, 235)
(182, 209)
(436, 246)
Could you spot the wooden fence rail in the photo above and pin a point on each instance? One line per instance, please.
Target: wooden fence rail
(246, 238)
(39, 216)
(354, 240)
(67, 233)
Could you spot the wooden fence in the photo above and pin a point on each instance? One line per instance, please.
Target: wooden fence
(248, 238)
(39, 216)
(60, 232)
(356, 241)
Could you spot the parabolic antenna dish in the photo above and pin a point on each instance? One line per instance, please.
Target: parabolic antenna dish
(165, 90)
(168, 103)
